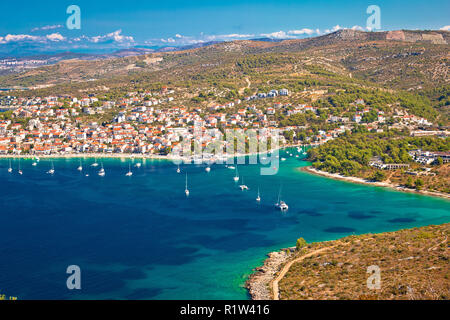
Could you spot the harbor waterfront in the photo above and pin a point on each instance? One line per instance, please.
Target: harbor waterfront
(141, 237)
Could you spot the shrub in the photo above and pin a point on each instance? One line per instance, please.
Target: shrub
(300, 243)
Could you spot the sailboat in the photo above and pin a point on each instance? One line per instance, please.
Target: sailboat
(243, 186)
(281, 204)
(102, 173)
(10, 168)
(236, 177)
(95, 164)
(129, 173)
(80, 167)
(138, 165)
(186, 190)
(258, 198)
(208, 169)
(178, 169)
(34, 164)
(52, 170)
(20, 170)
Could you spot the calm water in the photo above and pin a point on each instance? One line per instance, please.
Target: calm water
(139, 237)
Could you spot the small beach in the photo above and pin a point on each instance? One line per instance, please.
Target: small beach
(373, 183)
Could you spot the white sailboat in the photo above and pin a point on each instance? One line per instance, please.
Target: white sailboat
(95, 164)
(258, 198)
(236, 177)
(52, 170)
(281, 204)
(138, 165)
(178, 169)
(80, 167)
(129, 173)
(243, 186)
(34, 164)
(186, 190)
(208, 169)
(102, 173)
(10, 168)
(20, 170)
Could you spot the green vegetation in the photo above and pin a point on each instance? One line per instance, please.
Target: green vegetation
(351, 153)
(301, 243)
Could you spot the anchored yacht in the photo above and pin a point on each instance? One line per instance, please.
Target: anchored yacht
(281, 204)
(129, 173)
(20, 170)
(102, 173)
(236, 177)
(243, 186)
(186, 190)
(52, 170)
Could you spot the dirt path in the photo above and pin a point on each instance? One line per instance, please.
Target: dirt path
(437, 245)
(276, 294)
(241, 91)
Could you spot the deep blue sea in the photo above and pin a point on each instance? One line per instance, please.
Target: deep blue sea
(139, 237)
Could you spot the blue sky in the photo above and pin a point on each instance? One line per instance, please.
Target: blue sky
(155, 23)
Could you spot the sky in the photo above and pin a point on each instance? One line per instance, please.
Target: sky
(41, 25)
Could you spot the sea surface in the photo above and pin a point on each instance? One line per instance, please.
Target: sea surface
(140, 237)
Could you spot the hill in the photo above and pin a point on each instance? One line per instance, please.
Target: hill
(413, 265)
(411, 60)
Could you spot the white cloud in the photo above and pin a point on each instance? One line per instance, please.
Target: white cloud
(19, 38)
(179, 39)
(357, 28)
(445, 28)
(50, 27)
(115, 36)
(55, 37)
(277, 35)
(334, 29)
(302, 31)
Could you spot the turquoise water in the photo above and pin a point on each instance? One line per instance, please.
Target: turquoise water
(139, 237)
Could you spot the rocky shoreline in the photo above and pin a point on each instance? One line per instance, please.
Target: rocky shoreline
(258, 284)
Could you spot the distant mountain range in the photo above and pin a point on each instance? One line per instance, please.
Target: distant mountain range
(17, 62)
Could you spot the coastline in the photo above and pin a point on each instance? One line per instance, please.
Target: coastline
(259, 281)
(134, 155)
(263, 282)
(336, 176)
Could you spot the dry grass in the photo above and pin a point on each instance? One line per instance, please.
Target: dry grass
(414, 264)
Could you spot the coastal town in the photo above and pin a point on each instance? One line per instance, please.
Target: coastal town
(153, 123)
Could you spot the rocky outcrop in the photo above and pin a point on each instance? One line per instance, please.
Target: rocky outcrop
(258, 282)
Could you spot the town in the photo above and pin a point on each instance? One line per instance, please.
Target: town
(152, 123)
